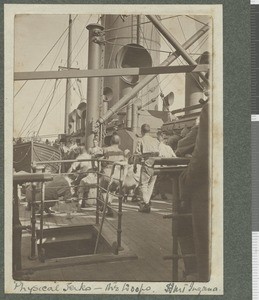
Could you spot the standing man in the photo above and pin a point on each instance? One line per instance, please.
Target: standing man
(96, 150)
(147, 148)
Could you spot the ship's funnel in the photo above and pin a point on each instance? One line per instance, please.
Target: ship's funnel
(132, 56)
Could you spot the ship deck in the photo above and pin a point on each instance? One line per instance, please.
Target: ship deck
(148, 237)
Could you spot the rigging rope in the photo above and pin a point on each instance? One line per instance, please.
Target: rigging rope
(72, 85)
(116, 37)
(80, 50)
(132, 46)
(74, 89)
(196, 20)
(47, 98)
(179, 59)
(181, 28)
(127, 26)
(79, 37)
(55, 86)
(199, 45)
(44, 57)
(42, 87)
(72, 62)
(40, 109)
(79, 89)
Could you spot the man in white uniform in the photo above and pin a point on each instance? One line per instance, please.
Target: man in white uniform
(147, 148)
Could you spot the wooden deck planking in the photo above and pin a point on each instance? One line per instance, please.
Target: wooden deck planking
(146, 235)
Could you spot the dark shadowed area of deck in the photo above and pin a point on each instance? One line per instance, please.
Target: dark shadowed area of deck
(146, 238)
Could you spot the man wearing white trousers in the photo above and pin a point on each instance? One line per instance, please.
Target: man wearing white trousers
(147, 148)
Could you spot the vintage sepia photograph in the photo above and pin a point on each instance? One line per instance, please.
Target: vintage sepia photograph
(114, 158)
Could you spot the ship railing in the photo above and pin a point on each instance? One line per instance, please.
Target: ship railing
(19, 179)
(101, 204)
(174, 168)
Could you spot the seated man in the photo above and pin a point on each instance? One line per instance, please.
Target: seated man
(164, 149)
(87, 190)
(186, 145)
(80, 168)
(162, 180)
(131, 178)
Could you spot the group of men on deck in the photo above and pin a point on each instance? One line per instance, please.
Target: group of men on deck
(194, 181)
(147, 148)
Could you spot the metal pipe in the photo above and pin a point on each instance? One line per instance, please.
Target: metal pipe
(42, 202)
(68, 82)
(17, 232)
(138, 30)
(31, 177)
(129, 117)
(124, 100)
(119, 228)
(104, 211)
(135, 71)
(166, 33)
(93, 84)
(175, 184)
(33, 223)
(134, 121)
(187, 108)
(125, 90)
(97, 212)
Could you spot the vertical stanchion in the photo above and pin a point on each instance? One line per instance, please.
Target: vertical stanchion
(119, 230)
(33, 223)
(41, 189)
(17, 232)
(98, 194)
(175, 226)
(104, 211)
(41, 220)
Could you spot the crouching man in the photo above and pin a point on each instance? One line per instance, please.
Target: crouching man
(59, 187)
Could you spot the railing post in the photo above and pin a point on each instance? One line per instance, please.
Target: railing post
(119, 230)
(98, 194)
(17, 232)
(175, 181)
(41, 169)
(33, 223)
(104, 212)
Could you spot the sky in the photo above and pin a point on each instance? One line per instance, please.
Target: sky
(35, 35)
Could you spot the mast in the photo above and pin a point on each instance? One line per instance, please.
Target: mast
(68, 82)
